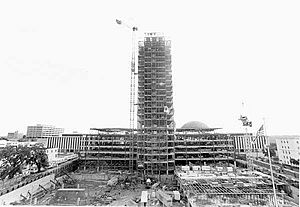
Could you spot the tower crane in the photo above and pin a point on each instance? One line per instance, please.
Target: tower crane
(132, 91)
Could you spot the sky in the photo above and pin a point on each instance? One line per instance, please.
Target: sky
(67, 63)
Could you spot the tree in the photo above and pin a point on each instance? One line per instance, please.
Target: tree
(38, 157)
(294, 161)
(12, 159)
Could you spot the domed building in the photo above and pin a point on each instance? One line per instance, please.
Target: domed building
(194, 125)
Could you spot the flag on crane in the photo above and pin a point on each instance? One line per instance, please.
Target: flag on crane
(261, 131)
(118, 21)
(245, 121)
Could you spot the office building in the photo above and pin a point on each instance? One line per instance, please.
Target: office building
(43, 131)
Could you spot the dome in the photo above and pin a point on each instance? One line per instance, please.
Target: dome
(194, 125)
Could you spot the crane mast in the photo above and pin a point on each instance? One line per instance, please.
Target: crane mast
(132, 98)
(132, 95)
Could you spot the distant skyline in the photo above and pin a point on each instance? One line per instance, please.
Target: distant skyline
(67, 63)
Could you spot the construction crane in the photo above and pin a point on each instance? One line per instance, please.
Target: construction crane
(132, 91)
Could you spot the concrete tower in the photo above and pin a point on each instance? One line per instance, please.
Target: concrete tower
(155, 121)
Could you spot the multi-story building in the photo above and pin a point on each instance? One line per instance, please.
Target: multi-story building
(155, 121)
(288, 149)
(43, 131)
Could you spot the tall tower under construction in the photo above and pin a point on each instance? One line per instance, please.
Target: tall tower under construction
(155, 114)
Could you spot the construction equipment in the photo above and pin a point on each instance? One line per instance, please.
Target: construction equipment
(132, 92)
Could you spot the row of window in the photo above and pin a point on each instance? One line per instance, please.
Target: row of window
(286, 152)
(283, 141)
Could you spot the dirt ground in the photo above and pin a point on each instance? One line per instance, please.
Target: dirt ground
(125, 191)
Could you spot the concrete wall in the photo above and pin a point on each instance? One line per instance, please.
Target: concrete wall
(32, 188)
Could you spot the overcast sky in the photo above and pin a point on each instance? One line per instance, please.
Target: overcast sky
(67, 63)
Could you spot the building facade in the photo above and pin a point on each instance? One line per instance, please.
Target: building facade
(288, 150)
(43, 131)
(155, 121)
(243, 142)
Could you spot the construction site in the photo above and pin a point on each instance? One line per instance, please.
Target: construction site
(207, 185)
(153, 163)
